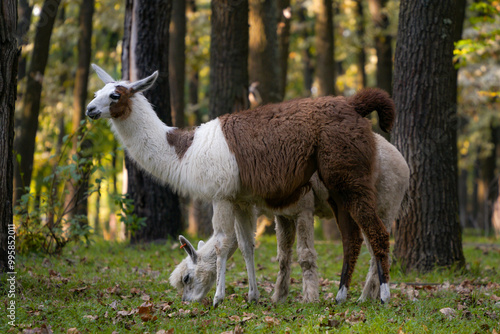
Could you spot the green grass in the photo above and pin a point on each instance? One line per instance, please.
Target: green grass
(90, 288)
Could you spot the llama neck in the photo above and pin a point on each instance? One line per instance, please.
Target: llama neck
(144, 136)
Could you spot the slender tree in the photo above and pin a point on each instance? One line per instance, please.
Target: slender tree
(263, 52)
(383, 44)
(428, 234)
(8, 86)
(325, 66)
(23, 25)
(360, 33)
(228, 57)
(177, 61)
(80, 98)
(145, 49)
(284, 17)
(24, 144)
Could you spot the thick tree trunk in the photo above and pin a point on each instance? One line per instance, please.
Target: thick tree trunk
(228, 57)
(325, 65)
(8, 87)
(177, 61)
(428, 234)
(24, 144)
(145, 49)
(284, 18)
(263, 63)
(383, 44)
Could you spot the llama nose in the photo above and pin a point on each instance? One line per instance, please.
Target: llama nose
(92, 113)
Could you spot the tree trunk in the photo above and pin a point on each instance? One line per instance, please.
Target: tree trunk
(145, 49)
(308, 68)
(79, 102)
(8, 89)
(23, 25)
(24, 144)
(360, 33)
(263, 64)
(325, 65)
(428, 234)
(177, 61)
(228, 57)
(383, 44)
(284, 16)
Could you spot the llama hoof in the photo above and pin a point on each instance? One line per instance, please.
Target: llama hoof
(217, 301)
(385, 293)
(310, 297)
(362, 299)
(341, 295)
(253, 297)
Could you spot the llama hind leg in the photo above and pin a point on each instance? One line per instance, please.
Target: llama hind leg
(307, 256)
(285, 235)
(351, 242)
(245, 233)
(371, 290)
(362, 209)
(223, 223)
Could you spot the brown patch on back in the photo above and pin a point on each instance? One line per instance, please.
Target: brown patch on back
(122, 108)
(181, 140)
(276, 145)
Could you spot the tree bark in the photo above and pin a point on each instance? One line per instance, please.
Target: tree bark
(284, 17)
(263, 64)
(145, 49)
(325, 65)
(23, 25)
(228, 57)
(8, 92)
(24, 144)
(360, 32)
(428, 234)
(308, 68)
(383, 44)
(177, 61)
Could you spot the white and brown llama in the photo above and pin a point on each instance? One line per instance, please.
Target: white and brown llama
(391, 182)
(262, 157)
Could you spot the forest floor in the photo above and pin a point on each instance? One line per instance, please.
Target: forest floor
(112, 287)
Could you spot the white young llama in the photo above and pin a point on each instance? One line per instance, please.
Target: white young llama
(264, 156)
(391, 181)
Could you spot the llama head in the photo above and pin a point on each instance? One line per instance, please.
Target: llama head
(114, 99)
(196, 274)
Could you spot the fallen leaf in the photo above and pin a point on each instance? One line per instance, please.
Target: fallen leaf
(235, 318)
(355, 317)
(73, 331)
(91, 317)
(271, 321)
(83, 288)
(114, 305)
(145, 297)
(148, 317)
(448, 312)
(162, 331)
(135, 291)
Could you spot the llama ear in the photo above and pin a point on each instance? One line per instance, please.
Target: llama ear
(105, 77)
(200, 244)
(144, 84)
(188, 248)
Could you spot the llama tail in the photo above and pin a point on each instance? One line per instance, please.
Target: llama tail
(370, 99)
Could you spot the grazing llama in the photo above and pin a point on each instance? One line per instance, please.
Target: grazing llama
(391, 182)
(262, 157)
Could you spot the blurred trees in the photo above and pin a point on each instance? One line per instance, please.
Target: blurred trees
(218, 67)
(428, 234)
(8, 86)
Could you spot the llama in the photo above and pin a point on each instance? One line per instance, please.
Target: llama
(391, 182)
(263, 157)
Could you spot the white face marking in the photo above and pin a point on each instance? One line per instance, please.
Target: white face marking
(99, 106)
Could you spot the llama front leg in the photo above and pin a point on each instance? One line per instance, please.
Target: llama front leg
(307, 256)
(224, 234)
(285, 235)
(245, 233)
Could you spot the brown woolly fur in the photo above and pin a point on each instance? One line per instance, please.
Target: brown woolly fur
(370, 99)
(181, 140)
(276, 145)
(122, 108)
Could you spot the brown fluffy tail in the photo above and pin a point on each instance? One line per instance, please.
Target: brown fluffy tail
(370, 99)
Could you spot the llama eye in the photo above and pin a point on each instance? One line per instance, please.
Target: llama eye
(186, 279)
(114, 96)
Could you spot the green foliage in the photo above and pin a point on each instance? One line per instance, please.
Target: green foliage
(117, 287)
(132, 222)
(44, 218)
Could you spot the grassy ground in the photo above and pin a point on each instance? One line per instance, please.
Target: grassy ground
(119, 288)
